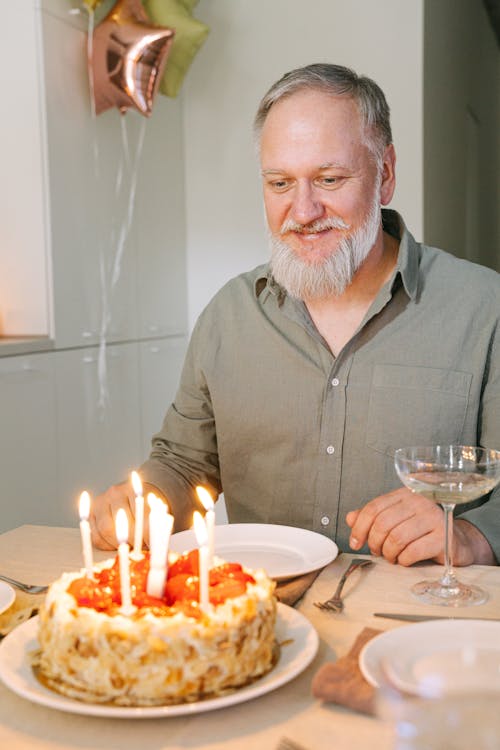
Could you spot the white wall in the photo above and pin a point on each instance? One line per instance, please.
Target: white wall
(250, 45)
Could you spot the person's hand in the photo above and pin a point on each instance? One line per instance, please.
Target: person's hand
(405, 528)
(103, 514)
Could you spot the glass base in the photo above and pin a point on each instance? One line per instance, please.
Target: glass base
(457, 595)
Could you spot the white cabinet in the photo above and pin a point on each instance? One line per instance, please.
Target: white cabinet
(116, 203)
(160, 368)
(85, 207)
(106, 246)
(98, 421)
(28, 442)
(78, 419)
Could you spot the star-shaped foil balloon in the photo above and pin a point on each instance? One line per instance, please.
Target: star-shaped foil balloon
(128, 58)
(190, 35)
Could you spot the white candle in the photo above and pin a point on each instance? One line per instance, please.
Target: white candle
(121, 527)
(200, 530)
(84, 510)
(139, 517)
(160, 528)
(207, 502)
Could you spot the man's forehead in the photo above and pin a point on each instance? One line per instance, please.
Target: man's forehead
(313, 102)
(319, 167)
(306, 117)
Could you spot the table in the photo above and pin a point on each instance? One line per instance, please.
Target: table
(38, 554)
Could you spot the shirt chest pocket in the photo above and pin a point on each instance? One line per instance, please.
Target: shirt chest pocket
(416, 406)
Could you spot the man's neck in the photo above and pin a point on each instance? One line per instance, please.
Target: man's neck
(338, 318)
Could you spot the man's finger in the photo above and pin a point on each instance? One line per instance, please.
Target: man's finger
(367, 515)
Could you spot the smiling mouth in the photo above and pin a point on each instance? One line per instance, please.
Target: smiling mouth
(309, 235)
(315, 229)
(313, 232)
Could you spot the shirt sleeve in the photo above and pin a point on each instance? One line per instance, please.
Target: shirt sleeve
(486, 517)
(184, 452)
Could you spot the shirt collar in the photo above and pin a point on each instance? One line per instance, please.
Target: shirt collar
(406, 266)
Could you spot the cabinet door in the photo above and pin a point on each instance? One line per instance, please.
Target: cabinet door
(92, 254)
(28, 466)
(98, 419)
(161, 363)
(116, 205)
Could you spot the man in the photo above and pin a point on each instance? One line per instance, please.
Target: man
(303, 377)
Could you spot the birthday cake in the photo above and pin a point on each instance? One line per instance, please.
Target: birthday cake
(169, 650)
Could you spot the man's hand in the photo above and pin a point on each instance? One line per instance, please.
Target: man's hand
(103, 514)
(405, 528)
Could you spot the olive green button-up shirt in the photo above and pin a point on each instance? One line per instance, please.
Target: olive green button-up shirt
(294, 435)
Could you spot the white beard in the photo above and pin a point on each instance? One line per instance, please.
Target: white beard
(333, 275)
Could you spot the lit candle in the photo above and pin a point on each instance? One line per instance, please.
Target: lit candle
(207, 502)
(84, 510)
(139, 517)
(160, 528)
(121, 527)
(200, 530)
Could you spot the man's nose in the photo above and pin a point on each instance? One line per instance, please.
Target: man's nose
(306, 206)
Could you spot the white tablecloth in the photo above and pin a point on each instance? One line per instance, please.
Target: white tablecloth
(40, 554)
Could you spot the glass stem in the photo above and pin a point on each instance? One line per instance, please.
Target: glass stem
(448, 578)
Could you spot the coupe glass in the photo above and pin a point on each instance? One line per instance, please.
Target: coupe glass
(450, 475)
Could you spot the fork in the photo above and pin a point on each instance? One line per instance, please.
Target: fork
(26, 587)
(335, 602)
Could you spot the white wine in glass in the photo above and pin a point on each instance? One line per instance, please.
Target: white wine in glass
(450, 475)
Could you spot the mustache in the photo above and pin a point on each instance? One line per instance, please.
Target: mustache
(332, 222)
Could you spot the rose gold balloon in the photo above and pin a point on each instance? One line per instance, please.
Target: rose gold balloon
(128, 58)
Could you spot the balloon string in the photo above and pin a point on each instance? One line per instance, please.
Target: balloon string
(126, 225)
(128, 166)
(90, 55)
(105, 317)
(107, 290)
(101, 360)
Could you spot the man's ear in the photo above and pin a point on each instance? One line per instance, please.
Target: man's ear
(388, 184)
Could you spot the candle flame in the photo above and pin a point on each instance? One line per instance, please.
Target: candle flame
(136, 483)
(121, 526)
(205, 498)
(155, 504)
(200, 529)
(84, 506)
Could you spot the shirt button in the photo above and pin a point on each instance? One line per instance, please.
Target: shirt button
(335, 381)
(325, 521)
(330, 450)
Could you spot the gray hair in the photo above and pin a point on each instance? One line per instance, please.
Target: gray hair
(338, 81)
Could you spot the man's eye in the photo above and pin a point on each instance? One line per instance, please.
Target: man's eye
(329, 181)
(279, 184)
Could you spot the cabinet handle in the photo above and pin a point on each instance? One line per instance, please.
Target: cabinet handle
(88, 360)
(154, 349)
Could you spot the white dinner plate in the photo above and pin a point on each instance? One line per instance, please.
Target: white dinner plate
(296, 634)
(7, 596)
(436, 658)
(283, 551)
